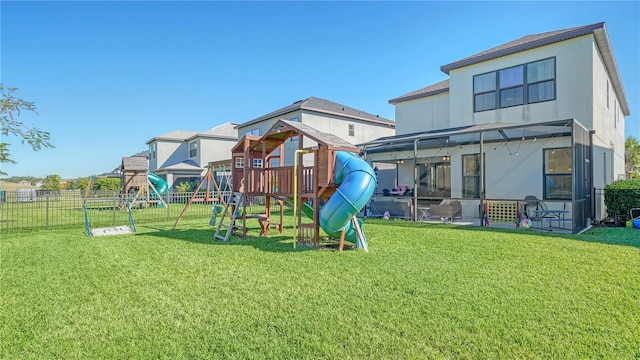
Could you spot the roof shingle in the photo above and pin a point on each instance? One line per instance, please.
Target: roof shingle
(322, 106)
(437, 88)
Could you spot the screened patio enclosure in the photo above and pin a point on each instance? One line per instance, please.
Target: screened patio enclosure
(551, 161)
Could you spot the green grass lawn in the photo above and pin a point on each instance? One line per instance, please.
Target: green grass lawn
(423, 291)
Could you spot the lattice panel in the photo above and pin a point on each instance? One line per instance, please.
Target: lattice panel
(502, 211)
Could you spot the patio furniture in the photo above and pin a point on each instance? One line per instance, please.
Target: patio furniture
(424, 213)
(447, 208)
(397, 208)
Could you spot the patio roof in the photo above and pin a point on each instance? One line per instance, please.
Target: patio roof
(463, 135)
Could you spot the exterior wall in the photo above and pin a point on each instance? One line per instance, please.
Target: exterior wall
(168, 153)
(608, 123)
(265, 125)
(574, 96)
(214, 149)
(339, 126)
(333, 124)
(421, 114)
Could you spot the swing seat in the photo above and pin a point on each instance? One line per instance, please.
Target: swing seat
(118, 230)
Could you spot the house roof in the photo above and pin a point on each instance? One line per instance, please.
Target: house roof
(325, 107)
(186, 165)
(144, 154)
(529, 42)
(227, 130)
(437, 88)
(176, 135)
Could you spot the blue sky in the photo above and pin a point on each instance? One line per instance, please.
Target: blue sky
(108, 76)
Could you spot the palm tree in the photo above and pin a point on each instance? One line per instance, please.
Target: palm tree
(632, 158)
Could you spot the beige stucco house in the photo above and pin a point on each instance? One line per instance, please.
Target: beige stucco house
(183, 155)
(547, 111)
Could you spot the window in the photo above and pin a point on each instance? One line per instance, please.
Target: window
(484, 87)
(523, 84)
(239, 163)
(257, 163)
(193, 149)
(352, 130)
(511, 86)
(557, 174)
(541, 81)
(152, 151)
(471, 176)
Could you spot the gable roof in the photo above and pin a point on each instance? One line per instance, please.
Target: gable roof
(532, 41)
(144, 154)
(437, 88)
(135, 163)
(186, 165)
(227, 130)
(522, 44)
(325, 107)
(176, 135)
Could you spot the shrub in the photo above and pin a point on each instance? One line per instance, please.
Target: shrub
(184, 187)
(620, 197)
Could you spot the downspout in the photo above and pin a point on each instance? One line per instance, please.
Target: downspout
(574, 179)
(592, 189)
(415, 180)
(482, 190)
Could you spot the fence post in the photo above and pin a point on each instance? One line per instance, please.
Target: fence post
(167, 196)
(47, 211)
(115, 208)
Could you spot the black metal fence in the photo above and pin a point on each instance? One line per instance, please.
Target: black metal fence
(27, 209)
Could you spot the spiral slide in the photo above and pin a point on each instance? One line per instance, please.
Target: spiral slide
(357, 183)
(159, 183)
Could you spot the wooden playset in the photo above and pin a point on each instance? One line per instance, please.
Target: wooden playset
(259, 168)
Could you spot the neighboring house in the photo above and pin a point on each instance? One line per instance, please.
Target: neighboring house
(183, 155)
(547, 110)
(349, 124)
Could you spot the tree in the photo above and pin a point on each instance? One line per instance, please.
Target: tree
(111, 184)
(632, 158)
(10, 109)
(51, 183)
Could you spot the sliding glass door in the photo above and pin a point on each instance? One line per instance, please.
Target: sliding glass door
(434, 178)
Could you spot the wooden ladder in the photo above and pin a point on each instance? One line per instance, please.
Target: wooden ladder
(236, 200)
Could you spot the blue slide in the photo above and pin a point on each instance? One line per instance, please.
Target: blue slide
(159, 183)
(357, 184)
